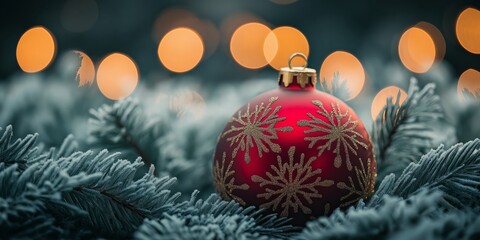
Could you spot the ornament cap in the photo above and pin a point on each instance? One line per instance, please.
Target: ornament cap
(301, 76)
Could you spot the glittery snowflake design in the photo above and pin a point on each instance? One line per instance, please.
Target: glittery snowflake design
(225, 181)
(291, 185)
(338, 133)
(257, 126)
(365, 182)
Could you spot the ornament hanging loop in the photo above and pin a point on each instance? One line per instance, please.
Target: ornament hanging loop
(297, 54)
(303, 76)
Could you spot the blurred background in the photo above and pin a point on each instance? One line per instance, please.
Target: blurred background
(108, 50)
(370, 30)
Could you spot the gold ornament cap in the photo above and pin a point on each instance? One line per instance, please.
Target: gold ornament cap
(303, 76)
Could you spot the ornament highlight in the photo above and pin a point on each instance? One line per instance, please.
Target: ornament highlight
(295, 151)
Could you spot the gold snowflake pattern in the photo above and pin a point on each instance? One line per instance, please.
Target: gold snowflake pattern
(290, 184)
(257, 126)
(365, 180)
(225, 181)
(336, 134)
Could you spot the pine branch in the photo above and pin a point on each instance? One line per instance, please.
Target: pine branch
(18, 152)
(67, 148)
(201, 227)
(455, 171)
(100, 186)
(214, 218)
(130, 141)
(47, 104)
(417, 217)
(451, 226)
(36, 227)
(180, 148)
(434, 189)
(122, 126)
(394, 216)
(403, 133)
(27, 196)
(471, 95)
(335, 87)
(467, 118)
(117, 203)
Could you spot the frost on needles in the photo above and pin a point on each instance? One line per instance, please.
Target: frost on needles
(336, 87)
(436, 198)
(88, 194)
(72, 192)
(181, 150)
(402, 133)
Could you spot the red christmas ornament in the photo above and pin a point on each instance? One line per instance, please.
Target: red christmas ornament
(295, 151)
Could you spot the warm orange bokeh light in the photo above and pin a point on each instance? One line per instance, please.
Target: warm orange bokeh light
(180, 50)
(416, 50)
(349, 69)
(234, 21)
(86, 71)
(468, 30)
(281, 43)
(173, 18)
(246, 45)
(117, 76)
(440, 45)
(469, 80)
(35, 49)
(178, 17)
(380, 99)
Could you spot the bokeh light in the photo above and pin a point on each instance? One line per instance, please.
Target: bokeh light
(349, 69)
(117, 76)
(416, 50)
(438, 39)
(180, 50)
(79, 15)
(233, 22)
(86, 71)
(35, 49)
(178, 17)
(470, 81)
(380, 99)
(246, 45)
(468, 30)
(173, 18)
(281, 43)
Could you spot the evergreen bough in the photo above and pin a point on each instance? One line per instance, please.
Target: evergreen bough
(402, 133)
(70, 192)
